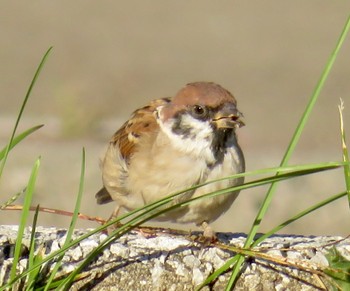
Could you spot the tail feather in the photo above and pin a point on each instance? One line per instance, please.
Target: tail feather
(103, 196)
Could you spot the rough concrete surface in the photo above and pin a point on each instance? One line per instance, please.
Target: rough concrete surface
(169, 261)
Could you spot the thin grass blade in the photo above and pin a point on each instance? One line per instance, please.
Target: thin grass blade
(25, 213)
(295, 139)
(344, 150)
(32, 257)
(72, 224)
(19, 138)
(232, 261)
(298, 216)
(29, 91)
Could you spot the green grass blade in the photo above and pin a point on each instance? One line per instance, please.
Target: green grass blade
(18, 139)
(73, 222)
(338, 269)
(298, 216)
(149, 211)
(32, 257)
(79, 197)
(29, 91)
(293, 170)
(230, 262)
(290, 149)
(25, 213)
(226, 266)
(344, 150)
(300, 127)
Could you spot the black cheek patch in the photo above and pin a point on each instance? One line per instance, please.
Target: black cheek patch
(223, 139)
(179, 128)
(186, 130)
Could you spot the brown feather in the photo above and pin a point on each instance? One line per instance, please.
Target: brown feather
(142, 122)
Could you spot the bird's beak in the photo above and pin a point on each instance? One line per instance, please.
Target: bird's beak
(229, 118)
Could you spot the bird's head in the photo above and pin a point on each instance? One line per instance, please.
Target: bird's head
(201, 119)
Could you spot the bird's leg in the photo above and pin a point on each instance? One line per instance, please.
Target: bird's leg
(114, 215)
(208, 232)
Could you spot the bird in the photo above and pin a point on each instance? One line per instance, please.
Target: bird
(172, 144)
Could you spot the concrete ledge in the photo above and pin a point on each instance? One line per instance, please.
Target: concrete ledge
(177, 262)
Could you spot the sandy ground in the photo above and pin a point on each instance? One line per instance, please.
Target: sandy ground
(109, 58)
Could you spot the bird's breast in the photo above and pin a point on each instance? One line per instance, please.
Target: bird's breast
(159, 170)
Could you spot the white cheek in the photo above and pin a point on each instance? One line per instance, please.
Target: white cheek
(197, 143)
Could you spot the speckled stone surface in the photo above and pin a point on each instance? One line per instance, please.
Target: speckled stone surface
(169, 261)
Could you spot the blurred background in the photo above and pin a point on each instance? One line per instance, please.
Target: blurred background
(110, 57)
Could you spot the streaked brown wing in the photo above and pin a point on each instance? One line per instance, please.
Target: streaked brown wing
(141, 122)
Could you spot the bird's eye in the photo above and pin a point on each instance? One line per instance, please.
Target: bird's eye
(199, 111)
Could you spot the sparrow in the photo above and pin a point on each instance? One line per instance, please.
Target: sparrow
(172, 144)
